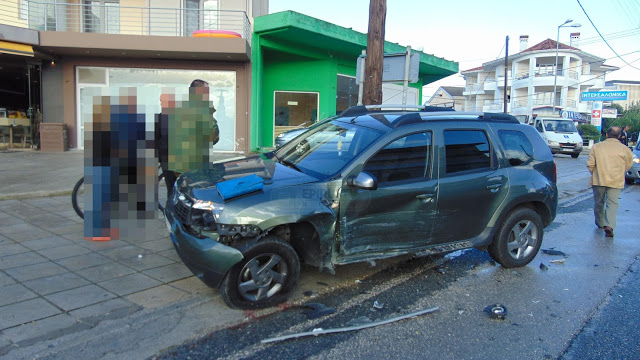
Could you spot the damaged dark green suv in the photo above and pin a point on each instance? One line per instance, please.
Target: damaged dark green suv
(368, 184)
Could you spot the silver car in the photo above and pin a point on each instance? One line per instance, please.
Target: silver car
(633, 174)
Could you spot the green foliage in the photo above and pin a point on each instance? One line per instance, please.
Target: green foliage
(588, 131)
(630, 117)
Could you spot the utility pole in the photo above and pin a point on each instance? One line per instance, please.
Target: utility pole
(375, 53)
(506, 59)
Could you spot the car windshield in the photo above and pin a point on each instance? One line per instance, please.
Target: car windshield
(327, 148)
(560, 126)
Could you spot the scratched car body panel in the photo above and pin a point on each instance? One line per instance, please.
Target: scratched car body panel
(365, 185)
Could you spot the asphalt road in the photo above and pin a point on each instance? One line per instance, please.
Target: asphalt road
(581, 308)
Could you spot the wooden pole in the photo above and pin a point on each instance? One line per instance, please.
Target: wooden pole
(375, 52)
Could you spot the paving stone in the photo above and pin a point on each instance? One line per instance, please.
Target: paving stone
(80, 297)
(146, 262)
(105, 272)
(169, 273)
(5, 279)
(158, 296)
(25, 311)
(62, 252)
(70, 227)
(6, 241)
(99, 245)
(83, 261)
(46, 243)
(193, 285)
(157, 245)
(12, 261)
(12, 249)
(31, 234)
(105, 309)
(44, 329)
(30, 272)
(129, 284)
(14, 293)
(56, 283)
(171, 255)
(15, 227)
(124, 252)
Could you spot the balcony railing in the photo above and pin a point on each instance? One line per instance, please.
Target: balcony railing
(548, 73)
(112, 18)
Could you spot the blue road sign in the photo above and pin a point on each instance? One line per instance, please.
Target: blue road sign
(603, 95)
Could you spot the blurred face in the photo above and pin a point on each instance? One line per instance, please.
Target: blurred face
(168, 101)
(202, 92)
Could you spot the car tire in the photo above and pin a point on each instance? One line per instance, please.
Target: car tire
(518, 240)
(575, 156)
(265, 277)
(630, 181)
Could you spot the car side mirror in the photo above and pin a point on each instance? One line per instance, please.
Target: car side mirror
(364, 180)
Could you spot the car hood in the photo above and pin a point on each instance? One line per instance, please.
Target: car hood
(202, 184)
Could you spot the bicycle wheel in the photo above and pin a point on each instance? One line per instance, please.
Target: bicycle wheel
(77, 198)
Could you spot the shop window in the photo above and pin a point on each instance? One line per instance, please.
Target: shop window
(347, 93)
(294, 109)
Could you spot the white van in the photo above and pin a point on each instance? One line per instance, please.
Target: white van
(560, 134)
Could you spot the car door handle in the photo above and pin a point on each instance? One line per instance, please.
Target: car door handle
(494, 187)
(425, 198)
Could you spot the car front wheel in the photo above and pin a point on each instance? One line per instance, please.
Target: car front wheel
(518, 240)
(265, 277)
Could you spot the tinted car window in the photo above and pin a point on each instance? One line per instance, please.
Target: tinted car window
(466, 150)
(517, 147)
(403, 159)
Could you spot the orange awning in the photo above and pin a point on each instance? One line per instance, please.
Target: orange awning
(15, 48)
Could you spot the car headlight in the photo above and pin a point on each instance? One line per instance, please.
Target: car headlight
(636, 159)
(553, 143)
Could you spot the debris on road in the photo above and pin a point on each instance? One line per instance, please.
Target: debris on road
(496, 311)
(320, 331)
(553, 252)
(317, 310)
(557, 261)
(359, 321)
(543, 266)
(377, 305)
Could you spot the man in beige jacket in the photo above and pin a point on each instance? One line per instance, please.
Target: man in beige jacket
(608, 162)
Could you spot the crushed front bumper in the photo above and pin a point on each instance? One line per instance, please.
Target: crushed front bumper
(208, 259)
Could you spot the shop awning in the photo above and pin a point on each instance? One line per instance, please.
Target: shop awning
(15, 48)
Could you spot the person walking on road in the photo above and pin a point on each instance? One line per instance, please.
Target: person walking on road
(608, 161)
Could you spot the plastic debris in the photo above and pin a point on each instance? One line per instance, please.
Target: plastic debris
(317, 310)
(558, 261)
(320, 331)
(358, 281)
(322, 283)
(377, 305)
(496, 311)
(372, 263)
(543, 266)
(553, 252)
(139, 256)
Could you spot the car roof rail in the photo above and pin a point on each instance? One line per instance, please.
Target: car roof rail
(500, 117)
(368, 109)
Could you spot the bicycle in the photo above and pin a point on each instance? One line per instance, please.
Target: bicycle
(77, 195)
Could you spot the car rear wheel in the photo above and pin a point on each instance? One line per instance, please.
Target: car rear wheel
(266, 276)
(518, 240)
(575, 156)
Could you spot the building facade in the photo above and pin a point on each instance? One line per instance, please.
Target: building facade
(532, 76)
(304, 69)
(448, 96)
(90, 47)
(631, 87)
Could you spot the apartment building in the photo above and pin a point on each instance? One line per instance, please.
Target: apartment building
(68, 51)
(631, 87)
(532, 76)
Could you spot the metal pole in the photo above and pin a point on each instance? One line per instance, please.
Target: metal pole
(506, 59)
(361, 85)
(405, 85)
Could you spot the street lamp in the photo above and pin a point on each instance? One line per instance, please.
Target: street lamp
(555, 77)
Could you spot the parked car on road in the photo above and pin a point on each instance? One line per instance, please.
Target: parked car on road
(560, 134)
(366, 185)
(633, 174)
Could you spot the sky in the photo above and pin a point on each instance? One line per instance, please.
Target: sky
(473, 32)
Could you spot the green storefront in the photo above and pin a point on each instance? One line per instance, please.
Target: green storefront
(304, 70)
